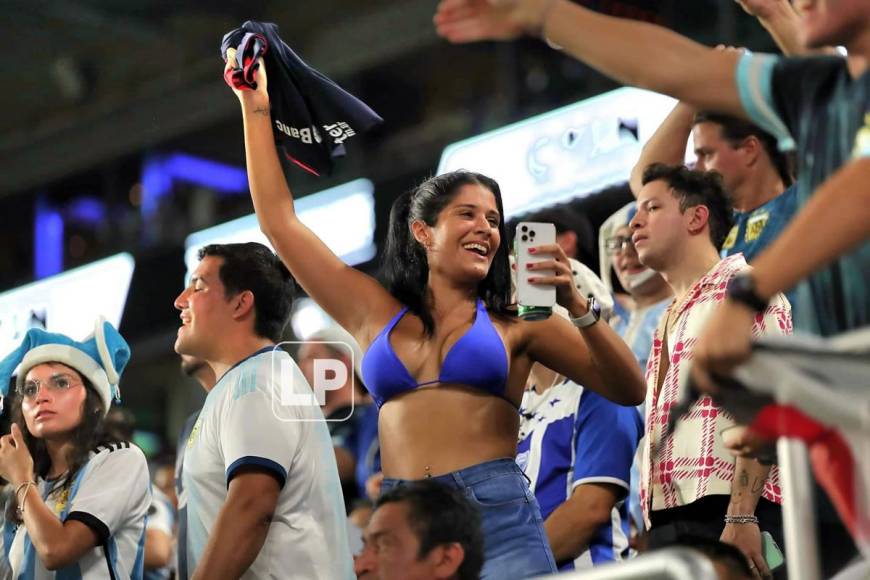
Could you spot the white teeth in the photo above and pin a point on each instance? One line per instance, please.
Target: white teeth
(483, 250)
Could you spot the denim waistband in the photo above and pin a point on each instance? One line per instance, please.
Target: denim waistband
(470, 475)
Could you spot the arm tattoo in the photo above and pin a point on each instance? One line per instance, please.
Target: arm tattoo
(744, 478)
(757, 485)
(262, 110)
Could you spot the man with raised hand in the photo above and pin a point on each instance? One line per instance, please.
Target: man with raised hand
(819, 105)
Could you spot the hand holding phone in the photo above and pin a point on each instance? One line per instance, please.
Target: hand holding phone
(535, 301)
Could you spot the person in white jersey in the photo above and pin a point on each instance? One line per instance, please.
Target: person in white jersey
(80, 496)
(264, 497)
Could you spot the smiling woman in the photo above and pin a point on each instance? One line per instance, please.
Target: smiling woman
(67, 516)
(447, 359)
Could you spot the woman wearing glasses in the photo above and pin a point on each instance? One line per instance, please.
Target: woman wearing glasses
(80, 499)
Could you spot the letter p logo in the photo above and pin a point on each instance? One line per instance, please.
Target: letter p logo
(292, 389)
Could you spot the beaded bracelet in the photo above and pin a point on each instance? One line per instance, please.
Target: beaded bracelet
(26, 486)
(741, 519)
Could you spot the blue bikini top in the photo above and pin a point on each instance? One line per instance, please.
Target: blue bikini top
(478, 360)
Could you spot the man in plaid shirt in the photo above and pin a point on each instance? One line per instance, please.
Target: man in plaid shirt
(690, 483)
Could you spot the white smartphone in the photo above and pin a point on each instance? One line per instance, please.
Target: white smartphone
(535, 301)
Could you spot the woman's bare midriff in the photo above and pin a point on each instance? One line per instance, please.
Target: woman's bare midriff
(443, 428)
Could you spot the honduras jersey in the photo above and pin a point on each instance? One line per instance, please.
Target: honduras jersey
(570, 436)
(251, 419)
(110, 494)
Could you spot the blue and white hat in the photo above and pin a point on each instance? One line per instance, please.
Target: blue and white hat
(100, 359)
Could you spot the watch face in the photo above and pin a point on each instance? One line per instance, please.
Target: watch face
(595, 307)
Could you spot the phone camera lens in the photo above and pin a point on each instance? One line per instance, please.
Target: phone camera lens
(524, 229)
(532, 233)
(525, 238)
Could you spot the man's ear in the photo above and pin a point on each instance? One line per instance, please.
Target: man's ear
(243, 304)
(446, 559)
(751, 148)
(698, 217)
(422, 233)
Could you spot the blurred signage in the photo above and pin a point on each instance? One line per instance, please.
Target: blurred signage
(67, 303)
(564, 154)
(343, 217)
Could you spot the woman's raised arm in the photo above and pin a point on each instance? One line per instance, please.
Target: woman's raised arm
(346, 294)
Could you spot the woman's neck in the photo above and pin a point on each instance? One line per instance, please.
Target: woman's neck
(445, 296)
(57, 453)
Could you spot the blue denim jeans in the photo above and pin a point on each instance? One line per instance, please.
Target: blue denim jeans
(515, 544)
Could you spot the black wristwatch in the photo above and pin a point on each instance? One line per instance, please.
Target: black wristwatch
(741, 289)
(591, 317)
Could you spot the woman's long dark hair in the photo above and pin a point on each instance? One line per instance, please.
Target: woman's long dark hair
(87, 436)
(404, 267)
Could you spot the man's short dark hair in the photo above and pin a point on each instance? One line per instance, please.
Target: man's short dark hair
(735, 130)
(693, 188)
(567, 219)
(252, 266)
(440, 515)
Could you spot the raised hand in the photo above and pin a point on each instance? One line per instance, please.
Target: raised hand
(257, 97)
(462, 21)
(567, 294)
(725, 342)
(16, 464)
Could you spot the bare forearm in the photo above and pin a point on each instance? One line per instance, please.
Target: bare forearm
(158, 549)
(747, 486)
(835, 220)
(568, 536)
(667, 144)
(618, 371)
(236, 539)
(43, 528)
(57, 544)
(273, 200)
(646, 55)
(572, 525)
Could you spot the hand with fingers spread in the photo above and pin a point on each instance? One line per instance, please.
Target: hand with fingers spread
(472, 20)
(562, 278)
(16, 463)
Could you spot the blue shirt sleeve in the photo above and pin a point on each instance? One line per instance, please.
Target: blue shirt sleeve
(755, 74)
(606, 441)
(779, 93)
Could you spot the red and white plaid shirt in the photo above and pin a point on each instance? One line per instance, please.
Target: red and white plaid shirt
(694, 462)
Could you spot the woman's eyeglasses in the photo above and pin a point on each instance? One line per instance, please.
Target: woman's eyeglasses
(58, 383)
(617, 244)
